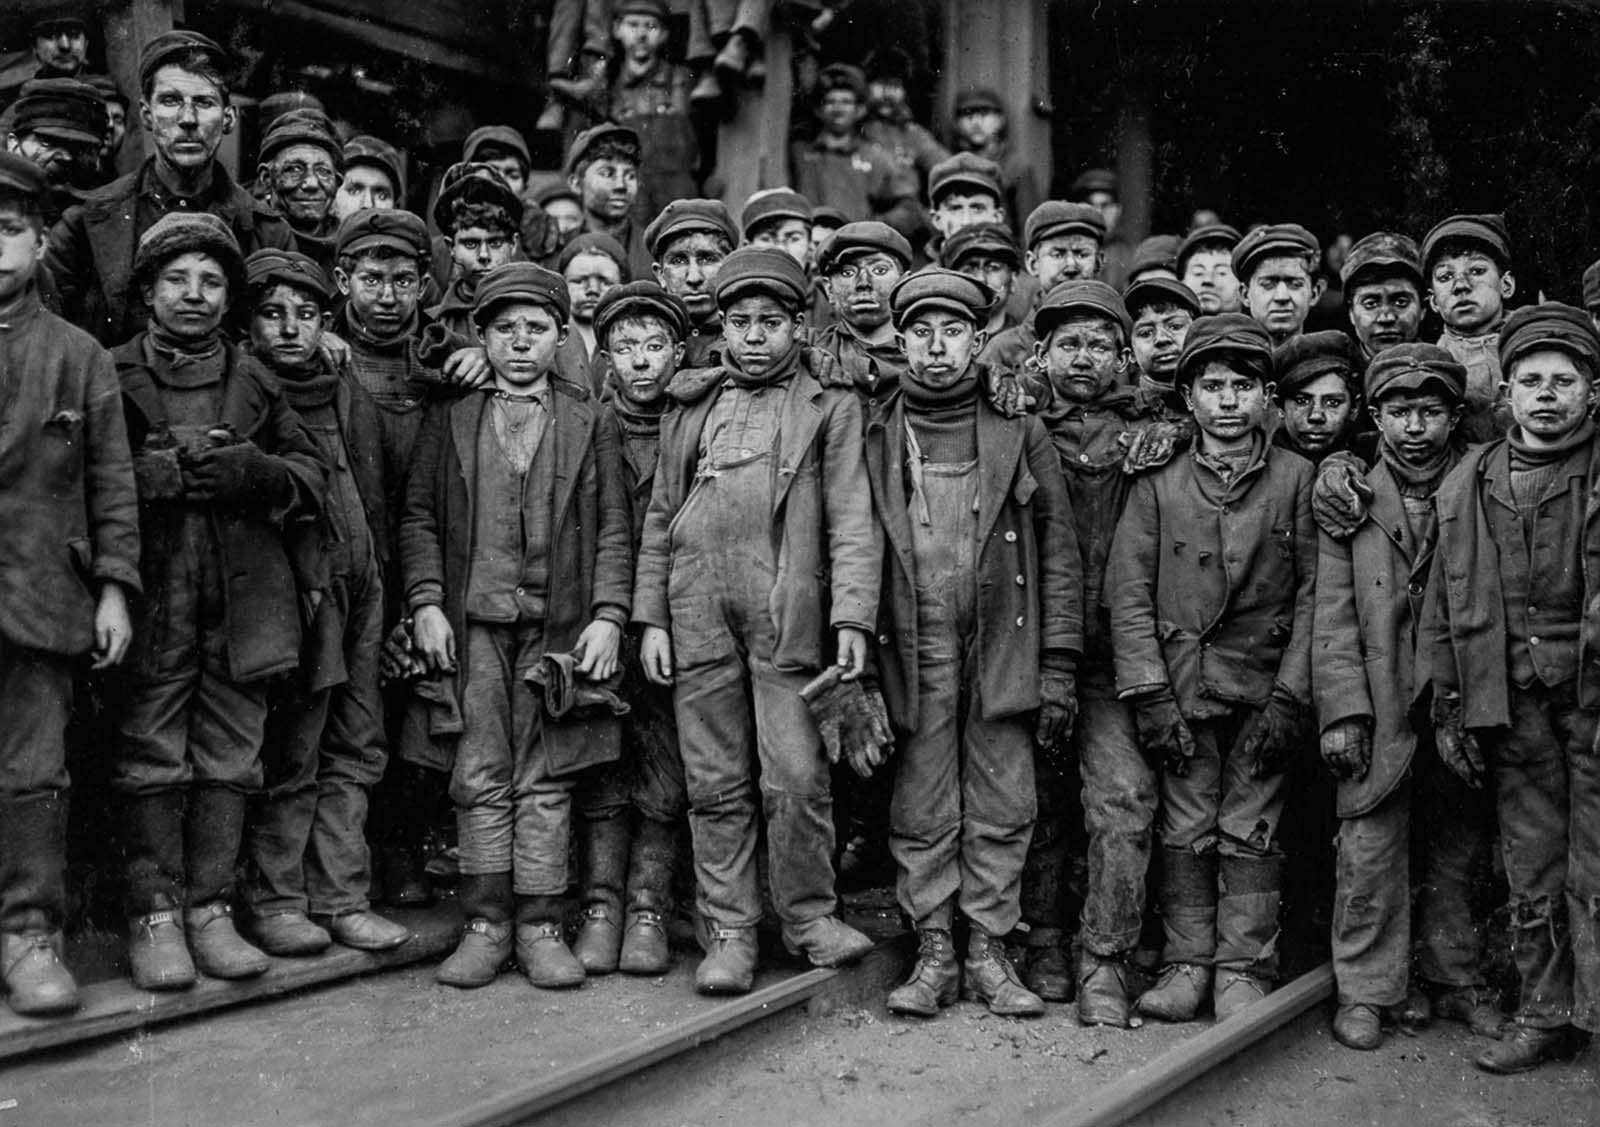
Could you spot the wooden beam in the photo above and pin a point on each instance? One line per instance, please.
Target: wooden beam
(753, 145)
(1004, 44)
(127, 26)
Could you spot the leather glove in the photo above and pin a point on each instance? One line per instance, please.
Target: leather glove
(238, 473)
(398, 661)
(1163, 735)
(1458, 747)
(1007, 395)
(1058, 713)
(853, 727)
(1347, 749)
(1341, 496)
(157, 475)
(1153, 445)
(1273, 733)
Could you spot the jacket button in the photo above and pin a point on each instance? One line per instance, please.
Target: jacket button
(1011, 537)
(1019, 620)
(520, 591)
(1416, 589)
(883, 639)
(1533, 641)
(1021, 582)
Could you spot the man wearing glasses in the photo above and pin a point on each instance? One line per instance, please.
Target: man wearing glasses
(301, 163)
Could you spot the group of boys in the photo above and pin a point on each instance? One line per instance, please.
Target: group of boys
(586, 544)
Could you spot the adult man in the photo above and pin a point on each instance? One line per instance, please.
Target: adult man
(1097, 187)
(60, 42)
(60, 124)
(979, 127)
(861, 263)
(374, 177)
(185, 111)
(1382, 278)
(1205, 265)
(1466, 260)
(1277, 267)
(688, 242)
(300, 163)
(1063, 241)
(889, 122)
(844, 170)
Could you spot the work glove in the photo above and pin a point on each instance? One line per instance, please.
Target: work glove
(851, 718)
(1007, 394)
(1341, 496)
(157, 475)
(398, 661)
(1163, 735)
(1275, 730)
(239, 473)
(1058, 714)
(1458, 747)
(1152, 445)
(1347, 749)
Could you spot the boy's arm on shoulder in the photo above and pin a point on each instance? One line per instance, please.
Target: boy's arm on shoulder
(855, 539)
(1130, 592)
(612, 596)
(110, 493)
(1060, 576)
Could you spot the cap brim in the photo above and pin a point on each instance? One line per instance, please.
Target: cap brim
(379, 239)
(936, 302)
(969, 182)
(1386, 262)
(993, 250)
(66, 133)
(1074, 227)
(730, 293)
(1416, 381)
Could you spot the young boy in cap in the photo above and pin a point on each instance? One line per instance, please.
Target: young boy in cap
(1277, 266)
(592, 265)
(55, 604)
(650, 95)
(989, 253)
(1205, 265)
(1467, 262)
(374, 177)
(861, 265)
(603, 168)
(969, 558)
(1382, 278)
(502, 148)
(301, 162)
(514, 548)
(688, 242)
(963, 190)
(481, 218)
(224, 467)
(1063, 241)
(1318, 391)
(1156, 256)
(844, 170)
(978, 123)
(1163, 311)
(1392, 788)
(325, 745)
(1210, 584)
(562, 208)
(759, 551)
(1507, 645)
(779, 217)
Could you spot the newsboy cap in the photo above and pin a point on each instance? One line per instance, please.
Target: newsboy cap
(866, 236)
(993, 239)
(842, 76)
(1307, 357)
(1212, 236)
(184, 232)
(656, 8)
(1059, 217)
(1159, 290)
(1382, 252)
(280, 102)
(594, 242)
(966, 171)
(375, 151)
(592, 138)
(174, 46)
(1232, 335)
(521, 281)
(640, 299)
(302, 127)
(374, 227)
(1092, 180)
(291, 268)
(61, 108)
(765, 270)
(1487, 232)
(682, 217)
(1273, 240)
(936, 288)
(773, 203)
(502, 135)
(1550, 324)
(20, 175)
(1081, 297)
(976, 99)
(1416, 367)
(1157, 252)
(477, 183)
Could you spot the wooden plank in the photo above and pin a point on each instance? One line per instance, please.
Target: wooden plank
(127, 26)
(118, 1007)
(1144, 1087)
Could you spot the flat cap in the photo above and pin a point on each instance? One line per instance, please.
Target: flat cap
(866, 236)
(594, 242)
(108, 88)
(280, 102)
(1158, 252)
(1415, 367)
(375, 151)
(501, 135)
(1309, 356)
(173, 46)
(1219, 236)
(1487, 232)
(1159, 291)
(475, 183)
(976, 99)
(1059, 217)
(826, 215)
(605, 134)
(555, 190)
(1269, 241)
(1080, 297)
(842, 76)
(1550, 324)
(305, 126)
(656, 8)
(20, 175)
(682, 217)
(61, 108)
(1233, 335)
(774, 203)
(50, 22)
(765, 270)
(1382, 252)
(521, 281)
(936, 288)
(185, 232)
(374, 227)
(640, 299)
(1092, 180)
(992, 239)
(963, 172)
(289, 267)
(1591, 286)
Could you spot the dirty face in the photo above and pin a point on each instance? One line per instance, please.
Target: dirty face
(187, 116)
(939, 348)
(589, 278)
(286, 326)
(688, 267)
(1209, 274)
(383, 291)
(1385, 312)
(520, 339)
(759, 332)
(477, 250)
(1469, 291)
(1227, 405)
(363, 186)
(1158, 336)
(1318, 414)
(645, 355)
(1550, 393)
(1416, 426)
(858, 288)
(303, 179)
(1083, 357)
(189, 295)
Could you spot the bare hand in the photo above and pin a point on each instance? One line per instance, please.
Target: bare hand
(655, 654)
(597, 648)
(852, 652)
(335, 348)
(468, 367)
(435, 641)
(113, 629)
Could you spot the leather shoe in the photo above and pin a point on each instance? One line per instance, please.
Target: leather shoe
(827, 942)
(216, 945)
(988, 977)
(1233, 990)
(1474, 1007)
(1048, 974)
(644, 944)
(1358, 1026)
(1103, 991)
(1526, 1048)
(37, 982)
(599, 943)
(1177, 994)
(365, 931)
(545, 957)
(935, 979)
(289, 934)
(730, 963)
(158, 952)
(478, 957)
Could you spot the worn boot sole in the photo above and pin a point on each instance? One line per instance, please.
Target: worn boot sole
(644, 951)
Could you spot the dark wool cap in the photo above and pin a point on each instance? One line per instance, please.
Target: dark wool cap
(765, 270)
(992, 239)
(1416, 367)
(1093, 180)
(964, 172)
(842, 76)
(373, 227)
(1550, 324)
(1231, 335)
(61, 108)
(656, 8)
(20, 175)
(977, 98)
(289, 267)
(866, 236)
(171, 46)
(558, 190)
(774, 203)
(1216, 236)
(1380, 253)
(1159, 291)
(1591, 286)
(1309, 356)
(640, 299)
(824, 215)
(108, 88)
(476, 183)
(594, 242)
(184, 232)
(375, 151)
(1275, 240)
(521, 281)
(1058, 217)
(502, 135)
(1158, 252)
(1487, 232)
(681, 217)
(590, 139)
(274, 106)
(54, 23)
(935, 288)
(1080, 297)
(302, 127)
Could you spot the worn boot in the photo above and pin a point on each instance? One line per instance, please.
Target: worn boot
(152, 842)
(289, 935)
(542, 950)
(644, 940)
(1414, 1011)
(1103, 991)
(1357, 1025)
(730, 963)
(213, 835)
(584, 91)
(1234, 990)
(733, 61)
(935, 980)
(1249, 894)
(1525, 1048)
(33, 898)
(603, 853)
(365, 930)
(1476, 1007)
(158, 952)
(1189, 918)
(826, 942)
(485, 943)
(1049, 973)
(987, 976)
(37, 981)
(1178, 994)
(218, 949)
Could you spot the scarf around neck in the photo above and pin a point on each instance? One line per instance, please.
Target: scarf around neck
(780, 372)
(1529, 456)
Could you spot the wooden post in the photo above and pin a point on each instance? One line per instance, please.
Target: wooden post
(753, 145)
(1004, 44)
(128, 26)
